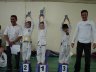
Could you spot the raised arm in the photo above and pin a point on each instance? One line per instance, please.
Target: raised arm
(29, 18)
(42, 18)
(67, 21)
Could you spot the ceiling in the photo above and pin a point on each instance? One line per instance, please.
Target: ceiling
(68, 1)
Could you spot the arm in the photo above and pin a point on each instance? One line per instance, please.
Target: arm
(45, 25)
(5, 57)
(67, 21)
(75, 36)
(32, 27)
(6, 36)
(19, 36)
(17, 39)
(9, 42)
(69, 25)
(94, 34)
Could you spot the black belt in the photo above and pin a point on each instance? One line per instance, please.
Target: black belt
(41, 45)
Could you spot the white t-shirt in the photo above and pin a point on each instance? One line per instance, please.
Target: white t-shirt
(3, 60)
(85, 32)
(13, 32)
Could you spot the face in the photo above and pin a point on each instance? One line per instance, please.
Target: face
(66, 31)
(28, 24)
(41, 26)
(84, 16)
(13, 21)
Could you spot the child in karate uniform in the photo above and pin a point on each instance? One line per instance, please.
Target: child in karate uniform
(41, 50)
(64, 54)
(27, 41)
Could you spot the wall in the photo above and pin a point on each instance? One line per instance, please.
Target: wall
(55, 12)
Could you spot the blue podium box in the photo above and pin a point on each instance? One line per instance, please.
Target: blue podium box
(63, 68)
(25, 67)
(42, 68)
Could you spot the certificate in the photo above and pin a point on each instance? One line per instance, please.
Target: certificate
(15, 49)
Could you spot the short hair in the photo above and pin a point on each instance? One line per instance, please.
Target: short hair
(65, 26)
(41, 15)
(84, 11)
(41, 22)
(29, 22)
(14, 16)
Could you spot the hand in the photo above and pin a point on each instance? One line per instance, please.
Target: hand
(72, 45)
(11, 43)
(94, 45)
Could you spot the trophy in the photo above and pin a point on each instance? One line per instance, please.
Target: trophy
(42, 15)
(66, 20)
(28, 15)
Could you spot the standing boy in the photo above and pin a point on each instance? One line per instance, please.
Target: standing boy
(64, 54)
(41, 50)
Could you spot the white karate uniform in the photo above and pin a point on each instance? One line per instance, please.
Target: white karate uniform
(41, 50)
(3, 60)
(64, 54)
(26, 44)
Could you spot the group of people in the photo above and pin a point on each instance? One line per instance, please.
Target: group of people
(14, 35)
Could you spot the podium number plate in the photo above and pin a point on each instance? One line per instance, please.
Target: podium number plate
(25, 67)
(42, 68)
(64, 68)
